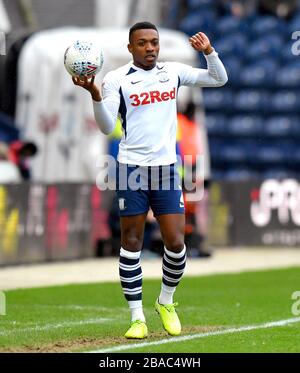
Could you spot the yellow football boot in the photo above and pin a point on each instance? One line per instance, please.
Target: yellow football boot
(169, 317)
(138, 330)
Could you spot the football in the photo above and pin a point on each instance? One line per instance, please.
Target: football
(83, 58)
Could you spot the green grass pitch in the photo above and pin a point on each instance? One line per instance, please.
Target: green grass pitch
(95, 316)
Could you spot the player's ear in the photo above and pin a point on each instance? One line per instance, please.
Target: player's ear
(129, 46)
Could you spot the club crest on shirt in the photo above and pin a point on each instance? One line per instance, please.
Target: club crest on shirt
(163, 77)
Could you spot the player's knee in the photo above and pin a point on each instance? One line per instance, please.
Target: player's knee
(132, 243)
(176, 246)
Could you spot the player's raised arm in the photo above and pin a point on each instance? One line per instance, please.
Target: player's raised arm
(215, 75)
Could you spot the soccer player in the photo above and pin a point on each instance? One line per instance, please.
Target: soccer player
(143, 94)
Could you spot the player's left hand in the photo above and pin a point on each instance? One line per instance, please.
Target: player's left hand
(201, 43)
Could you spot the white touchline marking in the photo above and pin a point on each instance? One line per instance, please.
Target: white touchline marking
(199, 335)
(64, 324)
(69, 306)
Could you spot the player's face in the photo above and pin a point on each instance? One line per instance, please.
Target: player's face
(144, 47)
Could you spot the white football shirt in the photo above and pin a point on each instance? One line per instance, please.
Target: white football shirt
(146, 102)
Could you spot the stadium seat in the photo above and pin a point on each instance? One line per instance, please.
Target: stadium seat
(231, 45)
(217, 174)
(241, 174)
(172, 14)
(293, 156)
(295, 127)
(228, 153)
(216, 125)
(268, 63)
(215, 147)
(233, 66)
(288, 76)
(271, 154)
(285, 102)
(266, 46)
(245, 126)
(279, 173)
(233, 153)
(229, 25)
(257, 75)
(254, 101)
(199, 4)
(201, 20)
(219, 99)
(295, 62)
(294, 24)
(232, 62)
(267, 25)
(280, 127)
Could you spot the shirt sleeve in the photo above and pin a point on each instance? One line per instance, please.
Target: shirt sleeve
(214, 76)
(106, 111)
(106, 115)
(111, 89)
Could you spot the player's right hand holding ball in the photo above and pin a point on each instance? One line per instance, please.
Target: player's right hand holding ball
(88, 84)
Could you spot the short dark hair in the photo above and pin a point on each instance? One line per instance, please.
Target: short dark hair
(142, 26)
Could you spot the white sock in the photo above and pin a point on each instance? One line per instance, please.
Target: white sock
(136, 309)
(166, 294)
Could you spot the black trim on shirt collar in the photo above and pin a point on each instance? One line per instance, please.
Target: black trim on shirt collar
(131, 71)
